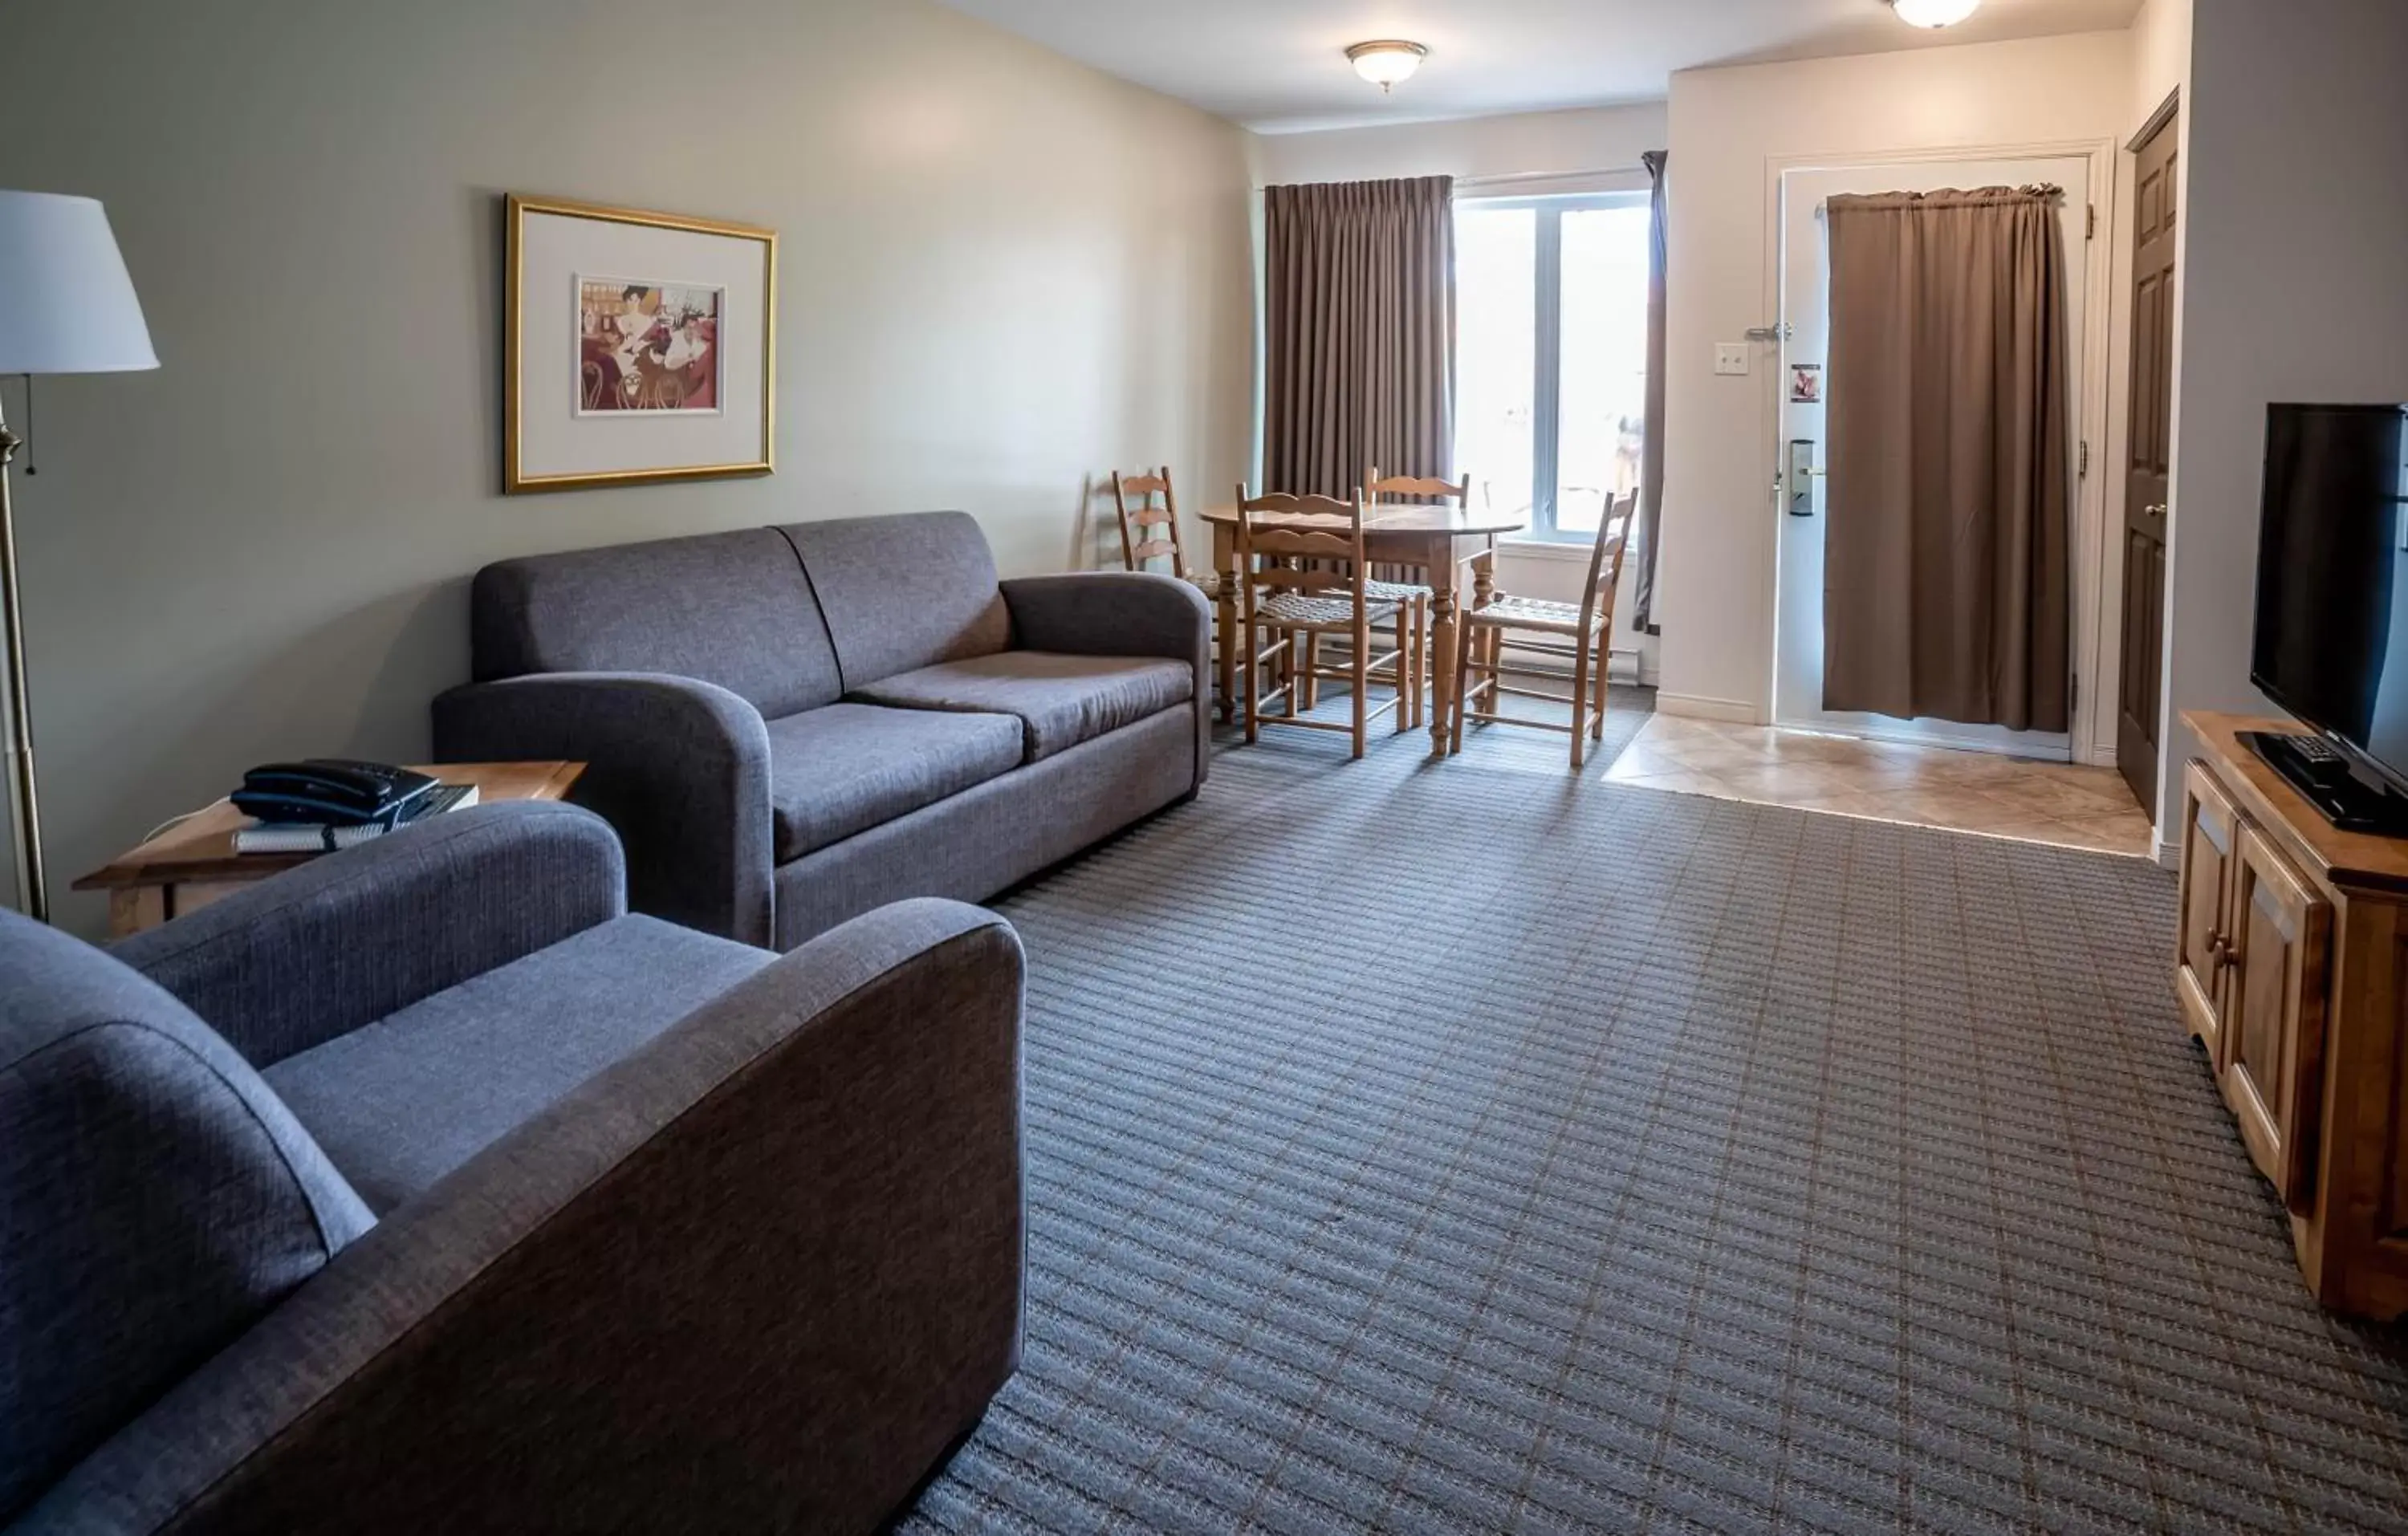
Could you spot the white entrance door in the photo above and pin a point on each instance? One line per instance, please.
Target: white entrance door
(1801, 507)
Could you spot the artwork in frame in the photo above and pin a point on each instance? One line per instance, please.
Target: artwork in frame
(647, 346)
(639, 348)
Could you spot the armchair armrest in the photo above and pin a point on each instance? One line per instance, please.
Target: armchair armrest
(1121, 613)
(758, 1276)
(318, 951)
(680, 766)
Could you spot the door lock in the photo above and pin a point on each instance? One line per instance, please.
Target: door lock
(1799, 478)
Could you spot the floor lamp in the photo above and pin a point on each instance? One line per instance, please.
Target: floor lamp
(66, 306)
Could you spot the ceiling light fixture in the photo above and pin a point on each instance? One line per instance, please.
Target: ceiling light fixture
(1934, 14)
(1386, 62)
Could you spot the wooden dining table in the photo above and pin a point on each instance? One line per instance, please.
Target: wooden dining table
(1438, 540)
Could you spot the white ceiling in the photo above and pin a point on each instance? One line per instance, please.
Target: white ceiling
(1279, 65)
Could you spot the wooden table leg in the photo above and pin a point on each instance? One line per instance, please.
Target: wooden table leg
(1439, 559)
(1225, 562)
(136, 908)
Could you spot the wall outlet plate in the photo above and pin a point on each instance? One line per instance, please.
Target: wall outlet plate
(1730, 357)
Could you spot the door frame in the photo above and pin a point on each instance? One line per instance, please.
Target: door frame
(2096, 637)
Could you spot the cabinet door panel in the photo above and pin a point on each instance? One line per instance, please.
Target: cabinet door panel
(2278, 948)
(2209, 822)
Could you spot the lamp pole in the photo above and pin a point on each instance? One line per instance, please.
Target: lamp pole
(33, 888)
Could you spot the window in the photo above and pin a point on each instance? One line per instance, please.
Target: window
(1551, 383)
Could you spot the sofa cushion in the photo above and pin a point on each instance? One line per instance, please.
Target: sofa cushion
(901, 592)
(400, 1103)
(1060, 700)
(848, 767)
(731, 609)
(155, 1199)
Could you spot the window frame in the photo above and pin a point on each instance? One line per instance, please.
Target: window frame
(1547, 305)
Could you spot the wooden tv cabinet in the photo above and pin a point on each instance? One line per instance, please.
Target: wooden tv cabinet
(2292, 969)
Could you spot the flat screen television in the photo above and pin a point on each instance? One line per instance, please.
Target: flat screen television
(2332, 644)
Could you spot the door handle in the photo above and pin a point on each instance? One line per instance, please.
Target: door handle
(2155, 508)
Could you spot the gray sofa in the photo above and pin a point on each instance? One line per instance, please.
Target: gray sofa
(790, 726)
(485, 1206)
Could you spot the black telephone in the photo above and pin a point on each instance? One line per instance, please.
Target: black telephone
(331, 792)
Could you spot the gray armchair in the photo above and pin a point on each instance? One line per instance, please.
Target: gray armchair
(487, 1206)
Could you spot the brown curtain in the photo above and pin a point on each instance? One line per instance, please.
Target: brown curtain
(1946, 559)
(1650, 452)
(1359, 333)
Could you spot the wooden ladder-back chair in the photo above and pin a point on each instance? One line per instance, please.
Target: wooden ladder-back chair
(1588, 625)
(1301, 575)
(1149, 514)
(1149, 511)
(1426, 492)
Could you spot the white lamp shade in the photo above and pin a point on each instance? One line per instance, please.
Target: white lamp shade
(67, 305)
(1387, 62)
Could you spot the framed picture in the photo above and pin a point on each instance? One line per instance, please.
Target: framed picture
(639, 348)
(1806, 383)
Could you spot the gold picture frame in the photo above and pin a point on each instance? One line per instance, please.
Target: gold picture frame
(593, 424)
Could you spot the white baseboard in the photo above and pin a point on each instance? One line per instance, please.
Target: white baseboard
(1696, 707)
(2168, 854)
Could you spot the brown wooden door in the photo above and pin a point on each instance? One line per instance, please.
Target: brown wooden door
(2208, 822)
(2148, 463)
(2278, 951)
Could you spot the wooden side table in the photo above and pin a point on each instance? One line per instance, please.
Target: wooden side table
(194, 863)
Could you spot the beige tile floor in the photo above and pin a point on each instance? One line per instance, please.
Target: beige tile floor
(2060, 803)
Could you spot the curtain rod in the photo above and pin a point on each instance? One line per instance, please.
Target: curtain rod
(1515, 176)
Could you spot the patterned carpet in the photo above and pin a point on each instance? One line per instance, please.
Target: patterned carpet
(1473, 1148)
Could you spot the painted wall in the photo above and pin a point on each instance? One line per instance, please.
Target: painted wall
(1001, 273)
(2295, 245)
(1729, 127)
(2160, 54)
(1528, 152)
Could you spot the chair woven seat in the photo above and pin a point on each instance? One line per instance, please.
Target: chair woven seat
(1532, 614)
(1208, 582)
(1397, 592)
(1297, 610)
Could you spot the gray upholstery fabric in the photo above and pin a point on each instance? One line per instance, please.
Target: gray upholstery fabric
(758, 1276)
(846, 768)
(404, 1101)
(679, 767)
(730, 609)
(283, 965)
(155, 1199)
(1061, 700)
(902, 593)
(1122, 613)
(682, 767)
(995, 835)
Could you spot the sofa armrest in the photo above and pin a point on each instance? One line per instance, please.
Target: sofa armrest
(343, 940)
(758, 1276)
(1121, 613)
(680, 766)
